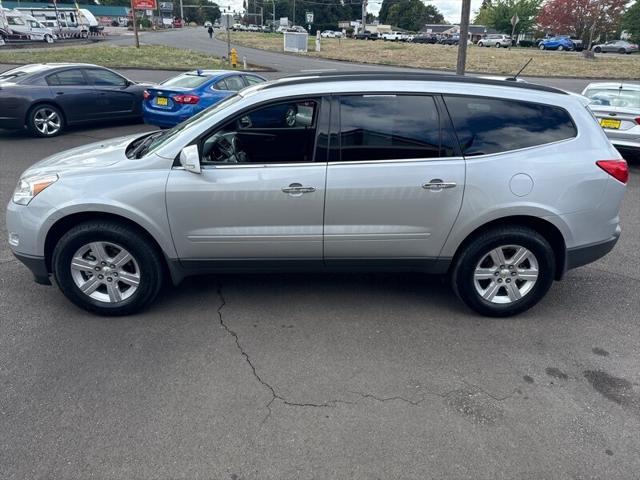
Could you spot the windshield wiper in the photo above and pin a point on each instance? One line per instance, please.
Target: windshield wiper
(142, 147)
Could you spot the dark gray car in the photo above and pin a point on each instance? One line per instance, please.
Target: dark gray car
(616, 46)
(46, 98)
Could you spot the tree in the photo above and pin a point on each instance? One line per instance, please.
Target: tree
(584, 19)
(631, 21)
(497, 14)
(409, 14)
(406, 8)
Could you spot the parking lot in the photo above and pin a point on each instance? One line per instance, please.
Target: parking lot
(318, 376)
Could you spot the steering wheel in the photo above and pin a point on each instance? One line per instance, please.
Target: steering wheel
(290, 117)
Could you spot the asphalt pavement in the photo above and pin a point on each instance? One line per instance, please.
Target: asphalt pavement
(313, 376)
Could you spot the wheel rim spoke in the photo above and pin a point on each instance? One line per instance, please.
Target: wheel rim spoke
(129, 279)
(527, 274)
(491, 291)
(484, 273)
(513, 292)
(79, 263)
(519, 257)
(497, 255)
(90, 285)
(114, 292)
(121, 259)
(97, 248)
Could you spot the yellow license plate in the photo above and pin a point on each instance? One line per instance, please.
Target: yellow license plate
(162, 101)
(609, 123)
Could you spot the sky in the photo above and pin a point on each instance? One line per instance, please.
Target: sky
(449, 8)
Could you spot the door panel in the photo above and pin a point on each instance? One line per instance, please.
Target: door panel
(390, 193)
(75, 96)
(381, 210)
(115, 96)
(241, 212)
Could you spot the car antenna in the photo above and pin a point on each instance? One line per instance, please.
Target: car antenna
(515, 77)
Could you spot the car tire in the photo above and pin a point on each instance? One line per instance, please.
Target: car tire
(498, 45)
(493, 291)
(597, 50)
(541, 46)
(81, 263)
(622, 50)
(560, 48)
(45, 120)
(480, 44)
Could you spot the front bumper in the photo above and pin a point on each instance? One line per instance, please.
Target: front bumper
(38, 267)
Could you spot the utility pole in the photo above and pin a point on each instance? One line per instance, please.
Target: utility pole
(181, 12)
(294, 13)
(364, 15)
(464, 37)
(135, 26)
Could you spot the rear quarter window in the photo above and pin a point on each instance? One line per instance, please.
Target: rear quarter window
(490, 125)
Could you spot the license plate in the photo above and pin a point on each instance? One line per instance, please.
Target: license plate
(609, 123)
(162, 101)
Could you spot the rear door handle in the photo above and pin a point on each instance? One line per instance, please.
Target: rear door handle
(296, 189)
(436, 185)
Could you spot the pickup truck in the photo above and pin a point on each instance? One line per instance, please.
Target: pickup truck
(392, 36)
(366, 35)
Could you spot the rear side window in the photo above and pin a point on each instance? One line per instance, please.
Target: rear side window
(490, 125)
(386, 127)
(67, 77)
(105, 78)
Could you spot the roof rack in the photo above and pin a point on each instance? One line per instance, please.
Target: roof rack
(322, 77)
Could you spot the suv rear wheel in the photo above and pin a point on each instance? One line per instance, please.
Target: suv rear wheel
(504, 271)
(107, 268)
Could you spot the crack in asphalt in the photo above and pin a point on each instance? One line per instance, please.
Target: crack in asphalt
(332, 403)
(274, 394)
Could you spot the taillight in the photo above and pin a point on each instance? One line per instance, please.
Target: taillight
(637, 120)
(188, 99)
(618, 169)
(146, 95)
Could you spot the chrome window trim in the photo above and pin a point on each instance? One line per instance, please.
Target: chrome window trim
(399, 160)
(256, 165)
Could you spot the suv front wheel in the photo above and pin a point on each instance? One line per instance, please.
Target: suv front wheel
(504, 271)
(107, 268)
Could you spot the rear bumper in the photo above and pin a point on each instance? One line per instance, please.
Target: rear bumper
(38, 267)
(583, 255)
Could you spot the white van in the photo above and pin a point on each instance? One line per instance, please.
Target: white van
(22, 24)
(64, 21)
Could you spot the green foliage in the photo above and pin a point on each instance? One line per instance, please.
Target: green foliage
(497, 14)
(631, 21)
(409, 14)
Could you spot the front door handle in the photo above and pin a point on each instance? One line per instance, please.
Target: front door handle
(296, 189)
(436, 185)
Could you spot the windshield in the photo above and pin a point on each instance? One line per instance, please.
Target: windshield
(186, 80)
(168, 135)
(614, 97)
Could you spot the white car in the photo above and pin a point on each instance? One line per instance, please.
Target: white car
(23, 24)
(392, 36)
(495, 40)
(331, 34)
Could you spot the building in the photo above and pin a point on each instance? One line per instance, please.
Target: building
(476, 32)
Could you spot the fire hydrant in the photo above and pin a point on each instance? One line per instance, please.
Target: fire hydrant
(234, 58)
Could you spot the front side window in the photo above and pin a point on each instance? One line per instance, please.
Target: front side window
(281, 133)
(491, 125)
(105, 78)
(67, 77)
(15, 21)
(388, 127)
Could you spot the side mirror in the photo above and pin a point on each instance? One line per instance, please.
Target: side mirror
(190, 159)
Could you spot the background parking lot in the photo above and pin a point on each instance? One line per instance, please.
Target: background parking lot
(318, 376)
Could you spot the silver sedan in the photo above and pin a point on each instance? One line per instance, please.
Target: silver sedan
(616, 46)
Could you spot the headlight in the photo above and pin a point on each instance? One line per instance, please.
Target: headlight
(29, 187)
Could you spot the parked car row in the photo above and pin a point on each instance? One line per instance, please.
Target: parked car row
(48, 98)
(501, 186)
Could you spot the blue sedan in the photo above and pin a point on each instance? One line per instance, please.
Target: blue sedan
(181, 97)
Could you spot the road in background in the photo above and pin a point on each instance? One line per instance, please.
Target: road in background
(287, 64)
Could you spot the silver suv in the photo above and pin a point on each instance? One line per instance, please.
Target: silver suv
(504, 186)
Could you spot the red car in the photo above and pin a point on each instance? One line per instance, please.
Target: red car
(177, 23)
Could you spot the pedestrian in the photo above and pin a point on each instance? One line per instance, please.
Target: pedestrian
(210, 30)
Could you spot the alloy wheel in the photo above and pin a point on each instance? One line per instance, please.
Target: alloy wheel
(105, 272)
(47, 121)
(506, 274)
